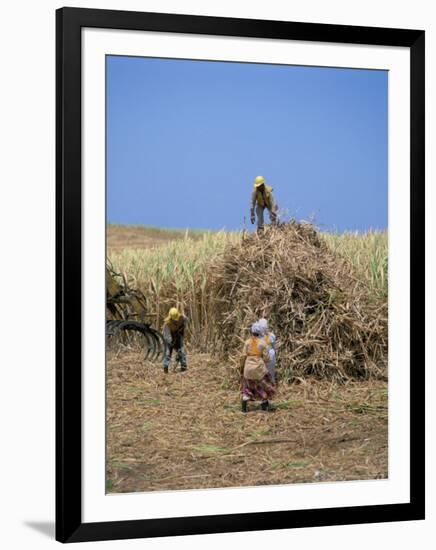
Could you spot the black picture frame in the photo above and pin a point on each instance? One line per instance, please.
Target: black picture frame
(69, 525)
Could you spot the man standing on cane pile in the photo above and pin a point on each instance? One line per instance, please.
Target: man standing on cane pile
(173, 333)
(262, 198)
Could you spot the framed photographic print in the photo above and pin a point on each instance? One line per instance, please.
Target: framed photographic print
(240, 274)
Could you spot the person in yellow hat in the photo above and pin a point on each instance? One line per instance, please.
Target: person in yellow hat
(173, 332)
(262, 198)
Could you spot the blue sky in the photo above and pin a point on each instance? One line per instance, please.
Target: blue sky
(185, 140)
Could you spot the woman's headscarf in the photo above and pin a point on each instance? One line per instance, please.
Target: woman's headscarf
(256, 329)
(263, 324)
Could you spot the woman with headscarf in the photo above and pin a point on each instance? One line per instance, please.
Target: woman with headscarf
(256, 382)
(270, 340)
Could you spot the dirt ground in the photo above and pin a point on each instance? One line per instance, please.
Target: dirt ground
(120, 237)
(186, 430)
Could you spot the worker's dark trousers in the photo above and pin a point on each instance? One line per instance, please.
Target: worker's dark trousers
(259, 213)
(180, 354)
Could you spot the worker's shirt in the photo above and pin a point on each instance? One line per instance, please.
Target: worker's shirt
(263, 198)
(270, 341)
(174, 329)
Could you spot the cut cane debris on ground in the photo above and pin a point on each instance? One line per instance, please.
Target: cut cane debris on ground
(186, 431)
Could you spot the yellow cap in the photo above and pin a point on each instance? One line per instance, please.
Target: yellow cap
(259, 181)
(174, 314)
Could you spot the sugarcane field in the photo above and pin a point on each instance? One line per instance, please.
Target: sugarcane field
(189, 419)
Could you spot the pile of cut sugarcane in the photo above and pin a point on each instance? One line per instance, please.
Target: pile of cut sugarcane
(326, 321)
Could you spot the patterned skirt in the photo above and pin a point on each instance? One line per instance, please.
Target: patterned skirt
(263, 389)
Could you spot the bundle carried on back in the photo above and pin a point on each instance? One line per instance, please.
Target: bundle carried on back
(326, 321)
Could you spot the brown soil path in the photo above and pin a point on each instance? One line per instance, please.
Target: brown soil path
(121, 237)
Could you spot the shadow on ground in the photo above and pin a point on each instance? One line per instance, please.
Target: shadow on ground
(47, 528)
